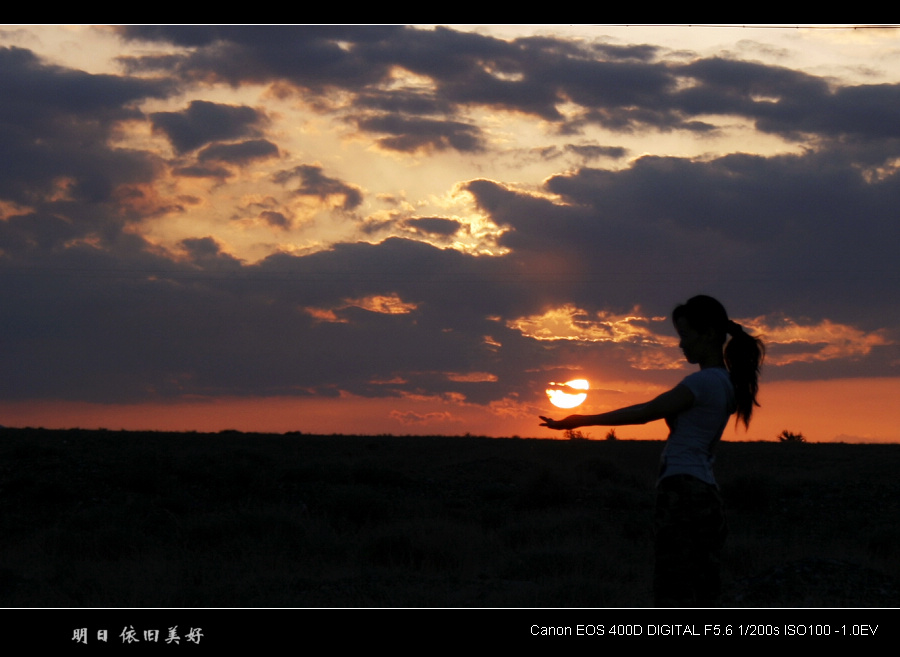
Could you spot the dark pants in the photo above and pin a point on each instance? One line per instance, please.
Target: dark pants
(690, 531)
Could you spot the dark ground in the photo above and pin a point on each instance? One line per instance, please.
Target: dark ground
(130, 519)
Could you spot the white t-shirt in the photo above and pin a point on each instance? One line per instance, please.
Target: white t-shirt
(694, 433)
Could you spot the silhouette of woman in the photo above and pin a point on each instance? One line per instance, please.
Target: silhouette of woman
(689, 519)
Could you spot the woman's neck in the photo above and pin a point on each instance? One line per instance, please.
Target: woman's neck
(712, 361)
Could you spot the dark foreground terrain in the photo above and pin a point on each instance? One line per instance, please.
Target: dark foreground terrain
(127, 519)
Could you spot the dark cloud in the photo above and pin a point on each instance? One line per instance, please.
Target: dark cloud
(207, 252)
(204, 122)
(594, 152)
(434, 226)
(57, 123)
(62, 164)
(203, 171)
(403, 101)
(789, 102)
(744, 222)
(312, 57)
(39, 231)
(621, 87)
(275, 37)
(240, 153)
(213, 326)
(313, 182)
(414, 134)
(275, 219)
(39, 92)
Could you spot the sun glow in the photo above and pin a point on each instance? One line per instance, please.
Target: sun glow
(564, 395)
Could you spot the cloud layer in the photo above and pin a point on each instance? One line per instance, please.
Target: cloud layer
(163, 237)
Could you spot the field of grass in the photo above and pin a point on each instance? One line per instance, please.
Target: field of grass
(129, 519)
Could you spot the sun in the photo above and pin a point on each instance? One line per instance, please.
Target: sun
(563, 395)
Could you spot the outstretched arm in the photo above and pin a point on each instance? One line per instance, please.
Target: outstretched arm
(676, 400)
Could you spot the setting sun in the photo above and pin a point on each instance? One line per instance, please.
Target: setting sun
(562, 395)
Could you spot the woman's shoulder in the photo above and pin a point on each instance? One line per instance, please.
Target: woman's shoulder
(709, 373)
(705, 378)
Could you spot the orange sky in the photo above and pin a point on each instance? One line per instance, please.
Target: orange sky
(851, 410)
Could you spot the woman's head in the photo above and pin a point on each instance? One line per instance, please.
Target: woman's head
(705, 315)
(743, 355)
(701, 325)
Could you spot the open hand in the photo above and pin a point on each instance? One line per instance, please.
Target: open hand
(556, 424)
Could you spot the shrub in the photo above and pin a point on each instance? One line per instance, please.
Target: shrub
(791, 437)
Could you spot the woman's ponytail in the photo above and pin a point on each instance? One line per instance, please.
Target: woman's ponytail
(744, 356)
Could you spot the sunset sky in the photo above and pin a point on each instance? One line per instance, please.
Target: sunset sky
(415, 229)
